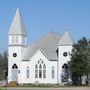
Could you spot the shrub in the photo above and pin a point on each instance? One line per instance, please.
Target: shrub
(12, 84)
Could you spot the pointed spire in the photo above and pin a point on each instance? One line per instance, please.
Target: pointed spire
(17, 26)
(66, 40)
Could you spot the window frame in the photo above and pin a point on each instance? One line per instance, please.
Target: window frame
(40, 71)
(53, 72)
(28, 72)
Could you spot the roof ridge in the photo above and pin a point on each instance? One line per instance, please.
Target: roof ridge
(48, 43)
(54, 35)
(54, 32)
(46, 35)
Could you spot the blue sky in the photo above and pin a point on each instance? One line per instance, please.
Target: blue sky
(43, 16)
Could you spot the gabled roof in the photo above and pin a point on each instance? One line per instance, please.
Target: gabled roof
(66, 40)
(17, 27)
(48, 44)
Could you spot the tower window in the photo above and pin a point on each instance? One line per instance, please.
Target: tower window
(14, 54)
(12, 39)
(16, 39)
(23, 40)
(65, 54)
(14, 66)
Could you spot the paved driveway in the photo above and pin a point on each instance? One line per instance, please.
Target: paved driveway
(66, 88)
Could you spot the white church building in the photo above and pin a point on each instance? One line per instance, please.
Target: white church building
(43, 61)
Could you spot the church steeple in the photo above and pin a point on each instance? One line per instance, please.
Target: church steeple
(17, 43)
(66, 40)
(17, 27)
(17, 33)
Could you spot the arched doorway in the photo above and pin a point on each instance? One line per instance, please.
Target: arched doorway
(65, 74)
(14, 73)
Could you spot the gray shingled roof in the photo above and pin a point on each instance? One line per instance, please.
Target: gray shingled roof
(48, 44)
(66, 40)
(17, 26)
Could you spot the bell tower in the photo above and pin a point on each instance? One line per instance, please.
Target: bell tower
(17, 42)
(65, 46)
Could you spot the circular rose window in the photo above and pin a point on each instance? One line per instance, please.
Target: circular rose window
(14, 54)
(65, 54)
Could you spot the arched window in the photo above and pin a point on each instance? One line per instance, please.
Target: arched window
(44, 71)
(53, 72)
(65, 73)
(36, 71)
(40, 69)
(14, 66)
(65, 66)
(27, 72)
(14, 72)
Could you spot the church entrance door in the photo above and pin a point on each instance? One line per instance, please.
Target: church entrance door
(14, 73)
(65, 74)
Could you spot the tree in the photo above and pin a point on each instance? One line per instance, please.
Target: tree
(79, 60)
(87, 52)
(3, 65)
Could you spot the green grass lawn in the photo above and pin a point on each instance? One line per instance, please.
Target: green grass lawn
(1, 88)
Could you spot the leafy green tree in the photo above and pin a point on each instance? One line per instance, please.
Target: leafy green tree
(3, 65)
(79, 60)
